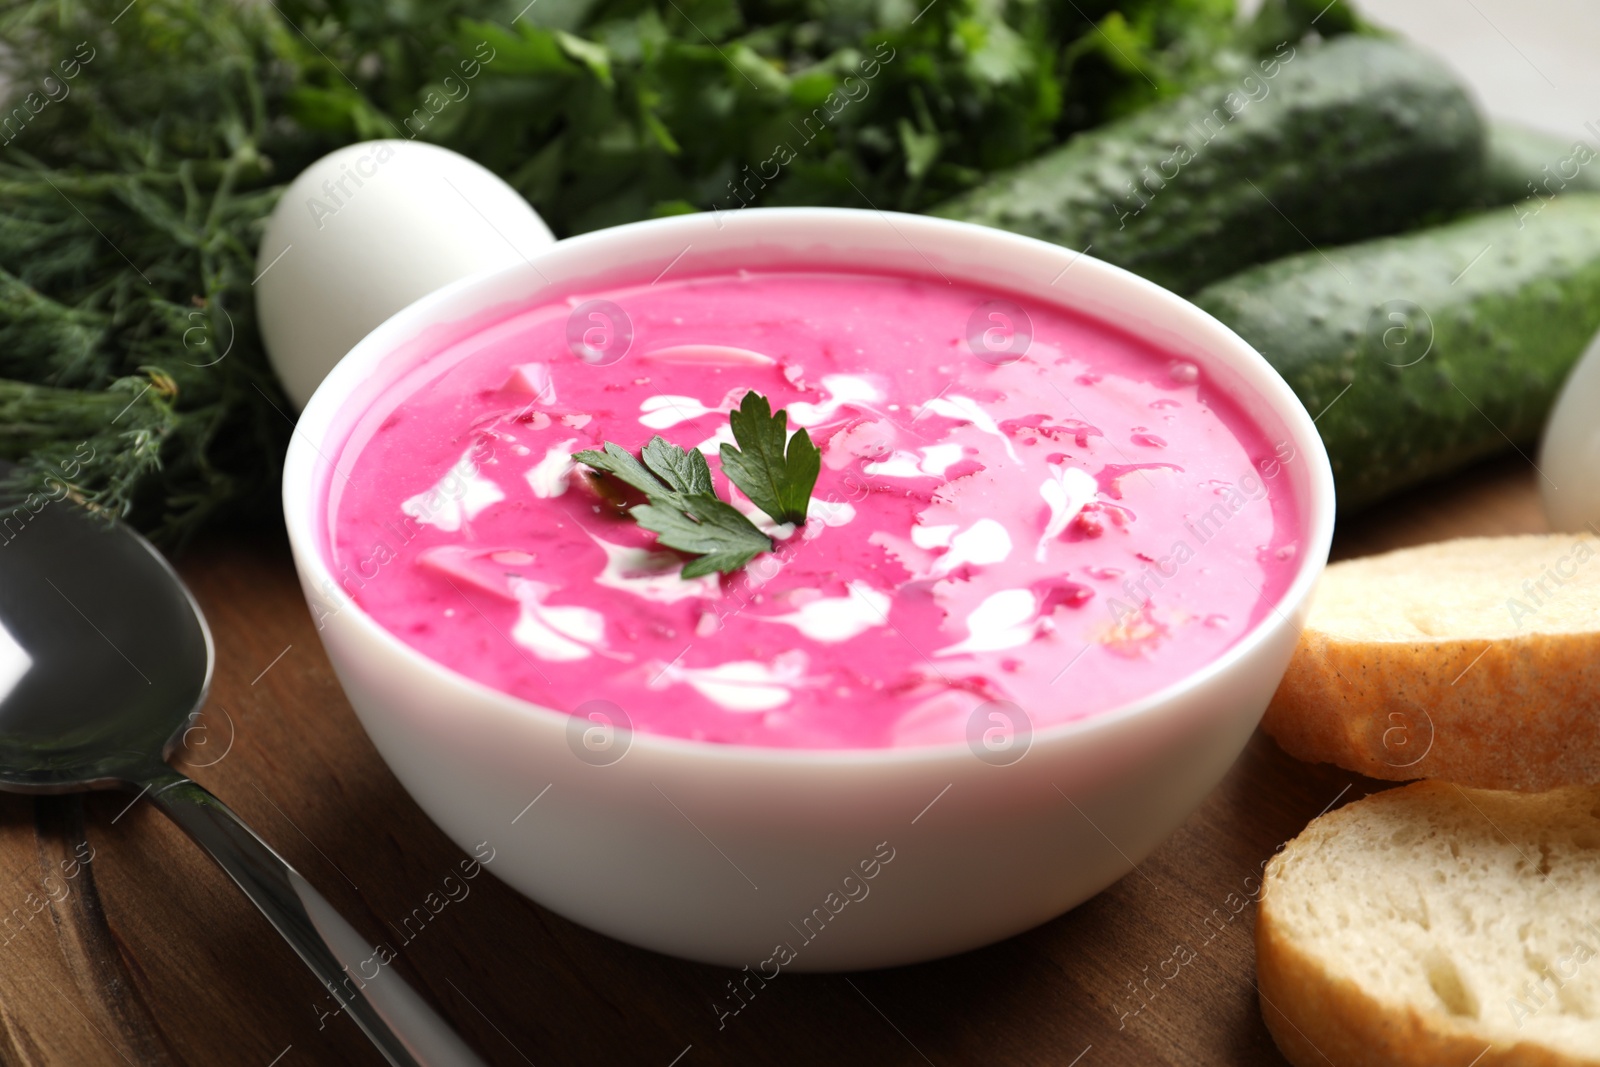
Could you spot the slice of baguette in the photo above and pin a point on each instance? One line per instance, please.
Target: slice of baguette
(1476, 661)
(1435, 926)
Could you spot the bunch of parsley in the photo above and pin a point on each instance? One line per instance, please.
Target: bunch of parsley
(607, 112)
(133, 192)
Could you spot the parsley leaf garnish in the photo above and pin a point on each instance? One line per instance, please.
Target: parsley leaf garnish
(683, 510)
(621, 464)
(775, 471)
(684, 471)
(711, 528)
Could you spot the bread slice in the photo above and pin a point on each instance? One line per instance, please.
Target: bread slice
(1476, 661)
(1435, 926)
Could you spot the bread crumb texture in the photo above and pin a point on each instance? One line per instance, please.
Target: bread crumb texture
(1476, 661)
(1437, 926)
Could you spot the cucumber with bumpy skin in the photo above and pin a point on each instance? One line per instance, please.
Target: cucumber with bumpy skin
(1421, 353)
(1531, 165)
(1360, 137)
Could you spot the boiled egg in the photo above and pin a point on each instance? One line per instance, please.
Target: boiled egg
(368, 229)
(1569, 458)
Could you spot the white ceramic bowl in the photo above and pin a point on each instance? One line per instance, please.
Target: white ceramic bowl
(761, 857)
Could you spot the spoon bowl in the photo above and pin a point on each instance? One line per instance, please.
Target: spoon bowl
(105, 661)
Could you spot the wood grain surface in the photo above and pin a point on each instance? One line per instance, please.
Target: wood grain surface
(123, 944)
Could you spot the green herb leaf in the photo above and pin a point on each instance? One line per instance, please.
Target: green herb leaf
(713, 529)
(684, 511)
(775, 471)
(621, 464)
(683, 470)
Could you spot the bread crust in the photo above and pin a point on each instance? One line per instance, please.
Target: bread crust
(1319, 1020)
(1512, 713)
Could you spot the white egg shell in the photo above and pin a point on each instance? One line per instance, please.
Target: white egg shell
(1569, 458)
(368, 229)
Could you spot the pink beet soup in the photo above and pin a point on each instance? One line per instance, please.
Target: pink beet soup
(1029, 511)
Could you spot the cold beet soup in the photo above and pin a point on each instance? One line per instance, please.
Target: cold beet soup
(1018, 505)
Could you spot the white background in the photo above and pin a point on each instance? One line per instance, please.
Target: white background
(1536, 61)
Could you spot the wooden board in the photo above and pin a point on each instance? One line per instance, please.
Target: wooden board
(146, 954)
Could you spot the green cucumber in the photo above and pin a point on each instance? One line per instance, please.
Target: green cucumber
(1421, 353)
(1360, 137)
(1524, 164)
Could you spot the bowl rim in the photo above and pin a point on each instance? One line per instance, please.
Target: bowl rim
(304, 481)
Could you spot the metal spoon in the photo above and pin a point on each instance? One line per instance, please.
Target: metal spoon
(105, 660)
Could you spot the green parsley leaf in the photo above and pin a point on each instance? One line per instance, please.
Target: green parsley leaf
(775, 471)
(711, 528)
(684, 511)
(684, 470)
(621, 464)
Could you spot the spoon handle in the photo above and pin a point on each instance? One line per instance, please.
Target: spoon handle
(399, 1022)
